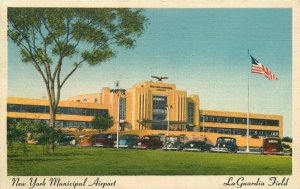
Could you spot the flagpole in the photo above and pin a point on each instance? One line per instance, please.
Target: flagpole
(248, 121)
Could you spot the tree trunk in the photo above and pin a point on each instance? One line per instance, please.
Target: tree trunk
(52, 124)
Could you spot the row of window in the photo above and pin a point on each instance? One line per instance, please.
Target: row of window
(238, 120)
(190, 112)
(159, 117)
(159, 111)
(122, 107)
(58, 123)
(159, 107)
(60, 110)
(242, 132)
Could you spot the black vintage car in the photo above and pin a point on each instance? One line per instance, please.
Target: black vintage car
(173, 142)
(196, 146)
(66, 139)
(225, 144)
(150, 142)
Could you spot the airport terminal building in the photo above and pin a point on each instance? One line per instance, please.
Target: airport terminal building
(147, 106)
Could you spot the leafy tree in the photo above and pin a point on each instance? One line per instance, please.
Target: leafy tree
(80, 128)
(12, 134)
(42, 134)
(25, 130)
(18, 133)
(102, 123)
(49, 38)
(287, 139)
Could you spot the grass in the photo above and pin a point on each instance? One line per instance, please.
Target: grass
(69, 160)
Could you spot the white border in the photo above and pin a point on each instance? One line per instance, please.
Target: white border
(161, 181)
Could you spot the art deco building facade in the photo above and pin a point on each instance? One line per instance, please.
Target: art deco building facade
(150, 105)
(147, 106)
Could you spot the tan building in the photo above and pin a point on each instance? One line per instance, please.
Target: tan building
(148, 107)
(69, 114)
(153, 105)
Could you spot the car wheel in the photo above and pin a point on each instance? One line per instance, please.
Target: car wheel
(206, 149)
(261, 151)
(179, 147)
(169, 145)
(236, 150)
(230, 151)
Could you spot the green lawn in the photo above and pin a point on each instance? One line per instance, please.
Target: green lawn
(100, 161)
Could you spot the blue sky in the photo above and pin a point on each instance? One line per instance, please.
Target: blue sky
(202, 51)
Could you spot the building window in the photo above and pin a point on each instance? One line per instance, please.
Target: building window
(159, 108)
(242, 132)
(122, 108)
(60, 110)
(190, 112)
(58, 123)
(13, 108)
(238, 120)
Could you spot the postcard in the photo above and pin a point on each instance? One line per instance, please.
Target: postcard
(161, 94)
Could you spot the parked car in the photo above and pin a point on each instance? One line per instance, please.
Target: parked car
(272, 146)
(196, 146)
(150, 142)
(101, 140)
(287, 151)
(174, 142)
(225, 144)
(84, 140)
(128, 141)
(66, 139)
(161, 136)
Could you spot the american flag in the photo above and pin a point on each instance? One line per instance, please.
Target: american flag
(261, 69)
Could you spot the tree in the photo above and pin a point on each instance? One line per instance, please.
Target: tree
(18, 133)
(49, 38)
(42, 134)
(25, 130)
(287, 139)
(102, 123)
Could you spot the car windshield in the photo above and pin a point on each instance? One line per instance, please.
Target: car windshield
(125, 137)
(146, 138)
(172, 139)
(69, 136)
(155, 138)
(101, 136)
(226, 140)
(273, 141)
(111, 136)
